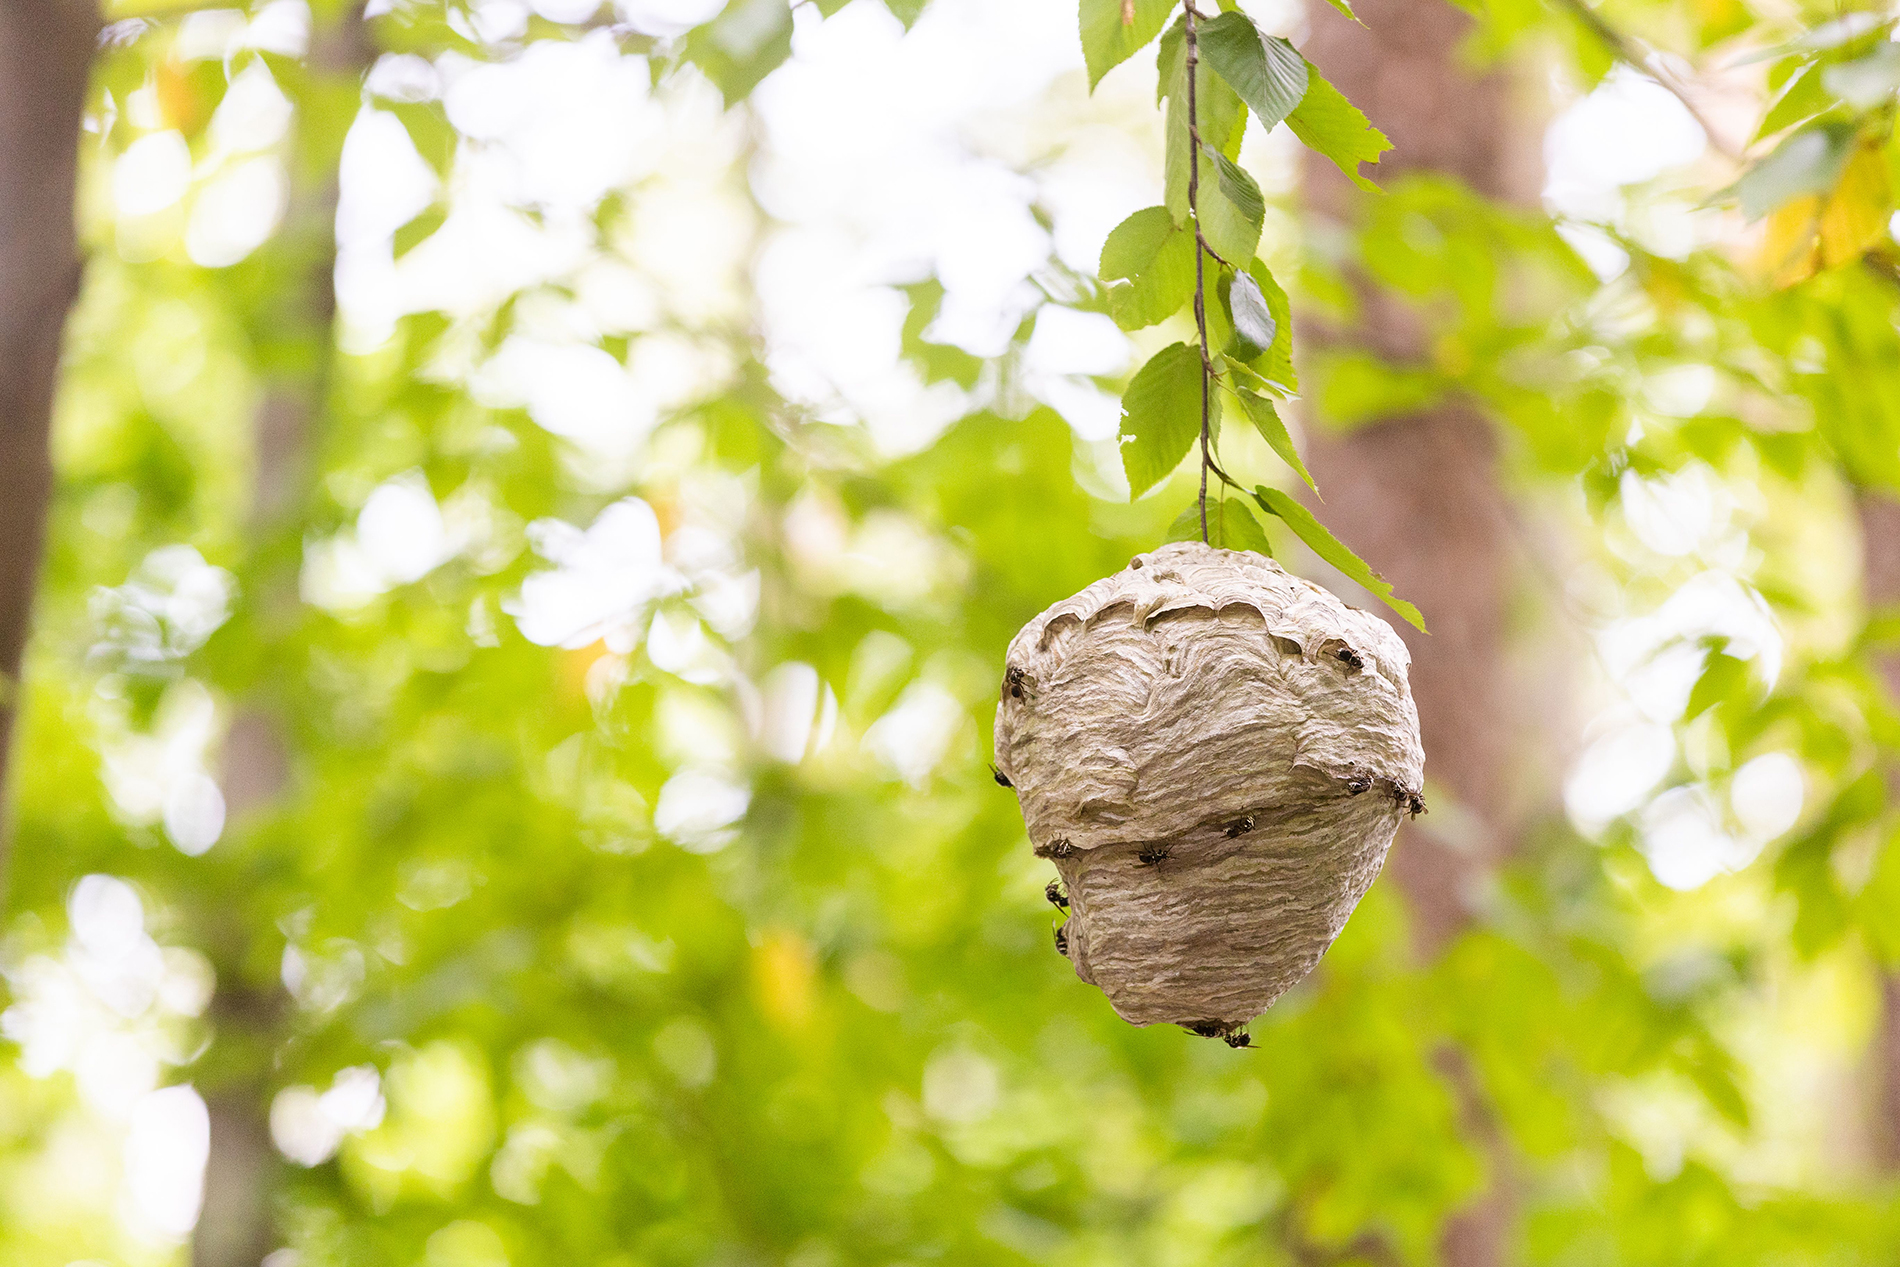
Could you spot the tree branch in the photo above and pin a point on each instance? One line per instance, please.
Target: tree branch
(1200, 245)
(1628, 50)
(45, 56)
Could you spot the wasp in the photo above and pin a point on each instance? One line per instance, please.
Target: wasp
(1228, 1032)
(1062, 939)
(1240, 826)
(1350, 658)
(1356, 784)
(1415, 803)
(1153, 852)
(1057, 848)
(1002, 780)
(1057, 898)
(1014, 680)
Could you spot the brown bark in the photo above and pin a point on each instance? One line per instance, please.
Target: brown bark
(236, 1228)
(1880, 571)
(45, 56)
(1418, 496)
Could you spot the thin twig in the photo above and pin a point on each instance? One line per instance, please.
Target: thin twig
(1200, 262)
(1649, 62)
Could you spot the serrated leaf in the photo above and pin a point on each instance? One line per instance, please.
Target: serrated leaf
(1332, 126)
(1809, 162)
(1154, 259)
(1277, 365)
(1161, 416)
(1222, 120)
(1230, 526)
(1115, 30)
(1266, 420)
(1253, 320)
(1330, 548)
(1232, 210)
(1220, 329)
(1266, 72)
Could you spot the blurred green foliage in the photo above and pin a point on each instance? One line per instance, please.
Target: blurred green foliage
(825, 1025)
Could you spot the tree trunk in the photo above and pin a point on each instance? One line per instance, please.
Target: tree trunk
(1880, 566)
(45, 57)
(236, 1228)
(1418, 497)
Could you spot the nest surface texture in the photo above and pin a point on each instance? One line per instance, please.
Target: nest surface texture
(1216, 754)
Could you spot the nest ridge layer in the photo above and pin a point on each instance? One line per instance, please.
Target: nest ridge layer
(1216, 754)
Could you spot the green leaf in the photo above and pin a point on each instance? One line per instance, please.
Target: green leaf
(1230, 526)
(1869, 81)
(1277, 365)
(1222, 119)
(1715, 1077)
(1357, 387)
(1806, 869)
(1220, 328)
(1809, 162)
(1346, 9)
(1161, 416)
(1115, 30)
(1267, 73)
(1723, 677)
(938, 361)
(1331, 549)
(429, 129)
(1332, 126)
(413, 234)
(1266, 420)
(1253, 320)
(742, 45)
(1155, 260)
(1232, 210)
(1878, 905)
(1801, 99)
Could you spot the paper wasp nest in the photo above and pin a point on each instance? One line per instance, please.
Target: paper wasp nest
(1216, 754)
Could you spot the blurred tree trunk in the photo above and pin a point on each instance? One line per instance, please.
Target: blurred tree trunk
(45, 58)
(1880, 563)
(1418, 497)
(296, 340)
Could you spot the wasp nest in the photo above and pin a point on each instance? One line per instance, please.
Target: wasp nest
(1216, 755)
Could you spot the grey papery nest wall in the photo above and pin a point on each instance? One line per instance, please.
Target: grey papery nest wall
(1216, 754)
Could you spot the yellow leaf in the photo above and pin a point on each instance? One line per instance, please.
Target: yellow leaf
(1789, 251)
(1856, 213)
(785, 975)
